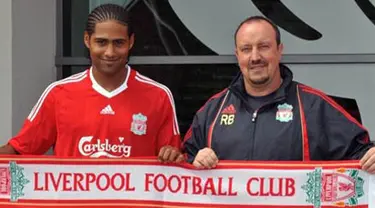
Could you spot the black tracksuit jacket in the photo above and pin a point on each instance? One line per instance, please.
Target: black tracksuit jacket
(300, 124)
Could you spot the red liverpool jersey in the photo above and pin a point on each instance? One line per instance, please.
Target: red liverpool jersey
(80, 118)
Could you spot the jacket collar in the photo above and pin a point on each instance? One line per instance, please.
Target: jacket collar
(237, 86)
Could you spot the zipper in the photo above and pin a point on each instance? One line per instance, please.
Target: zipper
(253, 120)
(252, 141)
(254, 117)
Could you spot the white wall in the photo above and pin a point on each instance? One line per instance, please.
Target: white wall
(27, 42)
(5, 70)
(34, 34)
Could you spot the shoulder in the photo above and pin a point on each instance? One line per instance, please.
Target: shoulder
(49, 94)
(315, 99)
(214, 101)
(69, 82)
(327, 106)
(313, 95)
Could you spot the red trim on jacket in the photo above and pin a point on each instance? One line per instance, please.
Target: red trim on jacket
(305, 137)
(211, 129)
(213, 97)
(190, 131)
(333, 104)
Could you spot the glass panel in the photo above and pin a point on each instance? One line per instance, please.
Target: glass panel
(196, 27)
(158, 29)
(74, 20)
(95, 3)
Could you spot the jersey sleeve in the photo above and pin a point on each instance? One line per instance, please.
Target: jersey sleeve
(169, 133)
(38, 132)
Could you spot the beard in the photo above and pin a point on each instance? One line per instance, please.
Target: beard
(258, 76)
(259, 81)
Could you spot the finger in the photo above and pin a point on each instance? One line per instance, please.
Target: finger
(161, 153)
(210, 162)
(368, 159)
(173, 155)
(198, 164)
(166, 154)
(213, 156)
(180, 158)
(200, 158)
(369, 162)
(205, 162)
(371, 169)
(214, 163)
(366, 156)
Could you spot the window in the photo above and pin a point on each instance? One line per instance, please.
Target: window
(188, 45)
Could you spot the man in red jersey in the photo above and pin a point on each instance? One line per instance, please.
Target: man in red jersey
(109, 110)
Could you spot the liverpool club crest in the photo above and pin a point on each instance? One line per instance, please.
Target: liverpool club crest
(12, 181)
(341, 187)
(284, 113)
(139, 124)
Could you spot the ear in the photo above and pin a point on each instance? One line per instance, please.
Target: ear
(131, 41)
(86, 39)
(280, 49)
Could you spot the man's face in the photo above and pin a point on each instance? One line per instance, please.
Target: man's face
(257, 53)
(109, 46)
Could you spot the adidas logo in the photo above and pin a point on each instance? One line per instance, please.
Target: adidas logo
(107, 110)
(229, 110)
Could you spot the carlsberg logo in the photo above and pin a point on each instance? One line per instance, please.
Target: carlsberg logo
(99, 148)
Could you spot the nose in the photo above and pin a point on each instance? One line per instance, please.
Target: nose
(255, 56)
(110, 51)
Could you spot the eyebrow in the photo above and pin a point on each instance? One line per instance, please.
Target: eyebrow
(265, 42)
(245, 45)
(260, 43)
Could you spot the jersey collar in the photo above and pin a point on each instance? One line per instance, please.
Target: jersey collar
(113, 93)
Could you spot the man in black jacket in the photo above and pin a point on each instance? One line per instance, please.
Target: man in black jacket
(265, 115)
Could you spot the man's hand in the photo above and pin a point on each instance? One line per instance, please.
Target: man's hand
(170, 154)
(8, 150)
(206, 158)
(368, 161)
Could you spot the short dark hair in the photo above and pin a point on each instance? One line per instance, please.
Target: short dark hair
(108, 12)
(259, 18)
